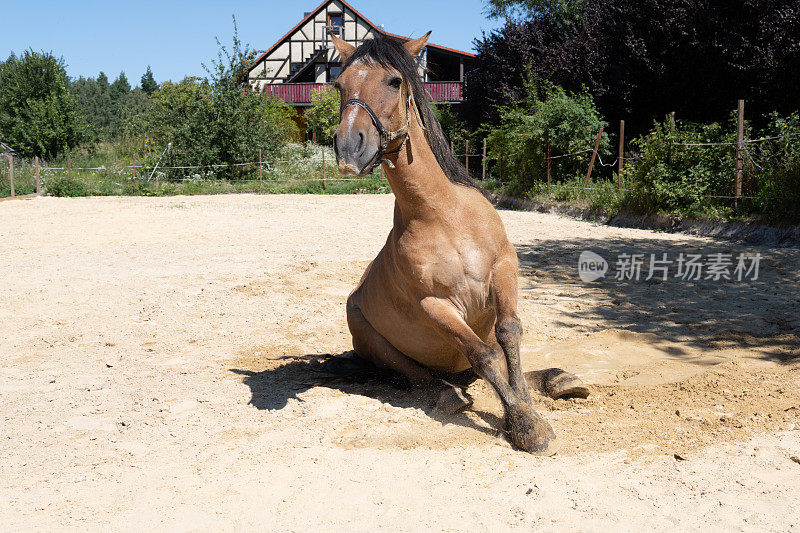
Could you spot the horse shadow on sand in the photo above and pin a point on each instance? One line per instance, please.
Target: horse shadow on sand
(271, 389)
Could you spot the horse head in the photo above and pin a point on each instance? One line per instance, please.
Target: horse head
(376, 102)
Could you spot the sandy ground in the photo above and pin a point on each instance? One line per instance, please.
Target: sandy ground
(159, 369)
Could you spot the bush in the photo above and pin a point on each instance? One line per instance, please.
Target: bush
(549, 116)
(66, 188)
(777, 163)
(455, 130)
(323, 116)
(676, 173)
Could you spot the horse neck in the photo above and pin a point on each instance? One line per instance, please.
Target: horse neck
(419, 184)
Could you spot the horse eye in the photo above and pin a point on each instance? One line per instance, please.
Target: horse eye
(396, 82)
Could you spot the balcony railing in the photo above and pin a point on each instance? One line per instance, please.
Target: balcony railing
(300, 93)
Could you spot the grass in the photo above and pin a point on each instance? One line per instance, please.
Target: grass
(298, 169)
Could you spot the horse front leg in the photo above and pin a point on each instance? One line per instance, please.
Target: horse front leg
(508, 326)
(552, 382)
(528, 431)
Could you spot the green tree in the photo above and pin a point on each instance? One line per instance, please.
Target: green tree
(323, 116)
(216, 119)
(120, 88)
(39, 115)
(108, 107)
(148, 82)
(563, 11)
(94, 99)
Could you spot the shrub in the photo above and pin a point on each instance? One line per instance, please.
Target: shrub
(777, 166)
(676, 172)
(548, 116)
(324, 114)
(66, 188)
(456, 131)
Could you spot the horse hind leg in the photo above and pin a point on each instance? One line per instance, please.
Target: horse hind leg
(372, 346)
(556, 383)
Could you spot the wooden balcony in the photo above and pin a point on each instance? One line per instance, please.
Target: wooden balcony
(300, 93)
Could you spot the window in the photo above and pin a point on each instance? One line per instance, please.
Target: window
(335, 19)
(333, 71)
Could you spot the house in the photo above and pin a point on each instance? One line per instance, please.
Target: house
(304, 59)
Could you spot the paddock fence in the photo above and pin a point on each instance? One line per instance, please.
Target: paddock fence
(21, 177)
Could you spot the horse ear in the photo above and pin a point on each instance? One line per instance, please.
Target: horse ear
(343, 47)
(416, 46)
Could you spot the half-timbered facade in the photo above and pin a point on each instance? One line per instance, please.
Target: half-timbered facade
(304, 59)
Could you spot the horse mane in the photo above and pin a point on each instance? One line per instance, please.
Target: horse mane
(389, 52)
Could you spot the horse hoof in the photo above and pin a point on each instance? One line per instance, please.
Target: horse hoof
(531, 433)
(451, 400)
(556, 383)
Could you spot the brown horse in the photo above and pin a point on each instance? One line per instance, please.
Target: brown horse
(446, 279)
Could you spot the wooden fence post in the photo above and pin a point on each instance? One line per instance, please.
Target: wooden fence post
(38, 186)
(672, 118)
(324, 185)
(548, 165)
(739, 150)
(621, 151)
(466, 154)
(11, 172)
(134, 171)
(260, 170)
(69, 167)
(594, 154)
(484, 159)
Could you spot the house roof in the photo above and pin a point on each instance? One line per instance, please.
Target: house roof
(319, 8)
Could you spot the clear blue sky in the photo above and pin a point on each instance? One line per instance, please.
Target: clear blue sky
(176, 37)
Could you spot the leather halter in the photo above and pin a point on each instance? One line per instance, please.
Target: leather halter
(386, 136)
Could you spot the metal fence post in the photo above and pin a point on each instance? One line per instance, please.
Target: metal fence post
(324, 185)
(483, 161)
(621, 151)
(11, 173)
(739, 151)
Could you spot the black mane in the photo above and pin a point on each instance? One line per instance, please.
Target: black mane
(390, 53)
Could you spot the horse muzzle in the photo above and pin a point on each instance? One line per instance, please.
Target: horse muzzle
(356, 153)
